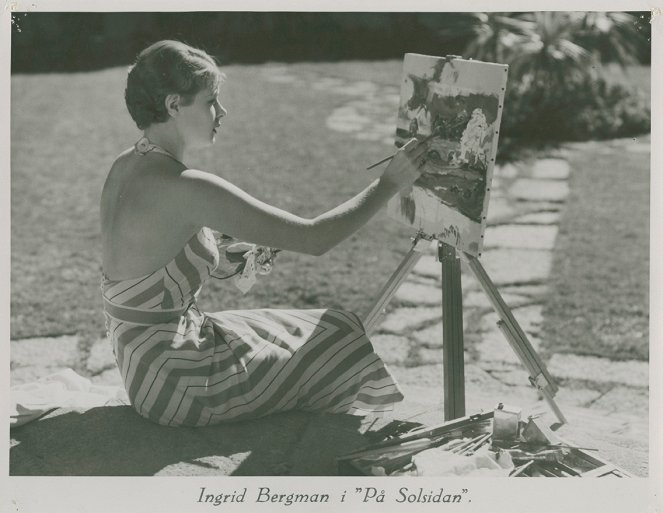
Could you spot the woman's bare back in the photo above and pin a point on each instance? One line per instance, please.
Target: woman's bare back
(142, 228)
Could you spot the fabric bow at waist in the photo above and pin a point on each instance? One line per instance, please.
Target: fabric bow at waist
(143, 317)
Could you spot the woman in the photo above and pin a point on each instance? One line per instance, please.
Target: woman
(184, 367)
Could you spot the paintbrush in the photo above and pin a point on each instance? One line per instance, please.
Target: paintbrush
(519, 470)
(557, 446)
(424, 140)
(562, 446)
(477, 445)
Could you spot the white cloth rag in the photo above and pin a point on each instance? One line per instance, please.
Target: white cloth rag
(65, 388)
(483, 463)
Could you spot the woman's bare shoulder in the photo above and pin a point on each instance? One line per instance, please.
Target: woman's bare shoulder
(135, 177)
(136, 183)
(129, 162)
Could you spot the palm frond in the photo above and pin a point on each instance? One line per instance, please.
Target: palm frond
(613, 36)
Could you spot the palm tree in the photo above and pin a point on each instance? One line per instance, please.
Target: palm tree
(555, 58)
(547, 54)
(549, 47)
(492, 35)
(610, 36)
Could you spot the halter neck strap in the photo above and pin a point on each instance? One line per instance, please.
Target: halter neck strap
(144, 146)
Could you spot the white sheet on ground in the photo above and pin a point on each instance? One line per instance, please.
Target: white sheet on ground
(483, 463)
(65, 388)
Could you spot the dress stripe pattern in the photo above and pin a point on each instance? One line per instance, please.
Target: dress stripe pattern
(199, 369)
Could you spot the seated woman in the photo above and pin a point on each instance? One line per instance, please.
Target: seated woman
(181, 366)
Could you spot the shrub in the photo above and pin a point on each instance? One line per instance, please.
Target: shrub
(583, 108)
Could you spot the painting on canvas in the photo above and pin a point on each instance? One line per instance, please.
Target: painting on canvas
(459, 104)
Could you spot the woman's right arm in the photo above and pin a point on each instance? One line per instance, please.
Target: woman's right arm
(208, 200)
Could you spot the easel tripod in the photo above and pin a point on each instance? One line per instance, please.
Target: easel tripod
(452, 322)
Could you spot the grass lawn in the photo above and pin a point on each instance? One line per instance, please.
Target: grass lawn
(599, 300)
(599, 285)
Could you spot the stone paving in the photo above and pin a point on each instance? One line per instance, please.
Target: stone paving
(525, 208)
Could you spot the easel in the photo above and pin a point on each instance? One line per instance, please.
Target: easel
(452, 324)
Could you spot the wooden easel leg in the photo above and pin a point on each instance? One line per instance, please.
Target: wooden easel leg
(453, 350)
(539, 375)
(389, 289)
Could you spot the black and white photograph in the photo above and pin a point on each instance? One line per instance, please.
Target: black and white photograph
(332, 258)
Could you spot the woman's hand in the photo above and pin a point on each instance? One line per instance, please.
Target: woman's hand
(406, 165)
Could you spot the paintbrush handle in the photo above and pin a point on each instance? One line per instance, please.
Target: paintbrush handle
(561, 446)
(381, 162)
(424, 140)
(519, 470)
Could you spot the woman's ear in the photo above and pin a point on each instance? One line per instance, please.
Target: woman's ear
(172, 102)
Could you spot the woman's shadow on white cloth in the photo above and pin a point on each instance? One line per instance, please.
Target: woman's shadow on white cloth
(116, 441)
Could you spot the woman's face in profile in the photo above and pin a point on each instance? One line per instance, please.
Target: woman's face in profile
(199, 121)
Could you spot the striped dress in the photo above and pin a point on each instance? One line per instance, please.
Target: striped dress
(184, 367)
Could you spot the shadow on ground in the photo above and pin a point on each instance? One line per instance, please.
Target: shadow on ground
(114, 440)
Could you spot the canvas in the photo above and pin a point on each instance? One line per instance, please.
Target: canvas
(459, 102)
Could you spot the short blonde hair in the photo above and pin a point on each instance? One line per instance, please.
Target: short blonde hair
(163, 68)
